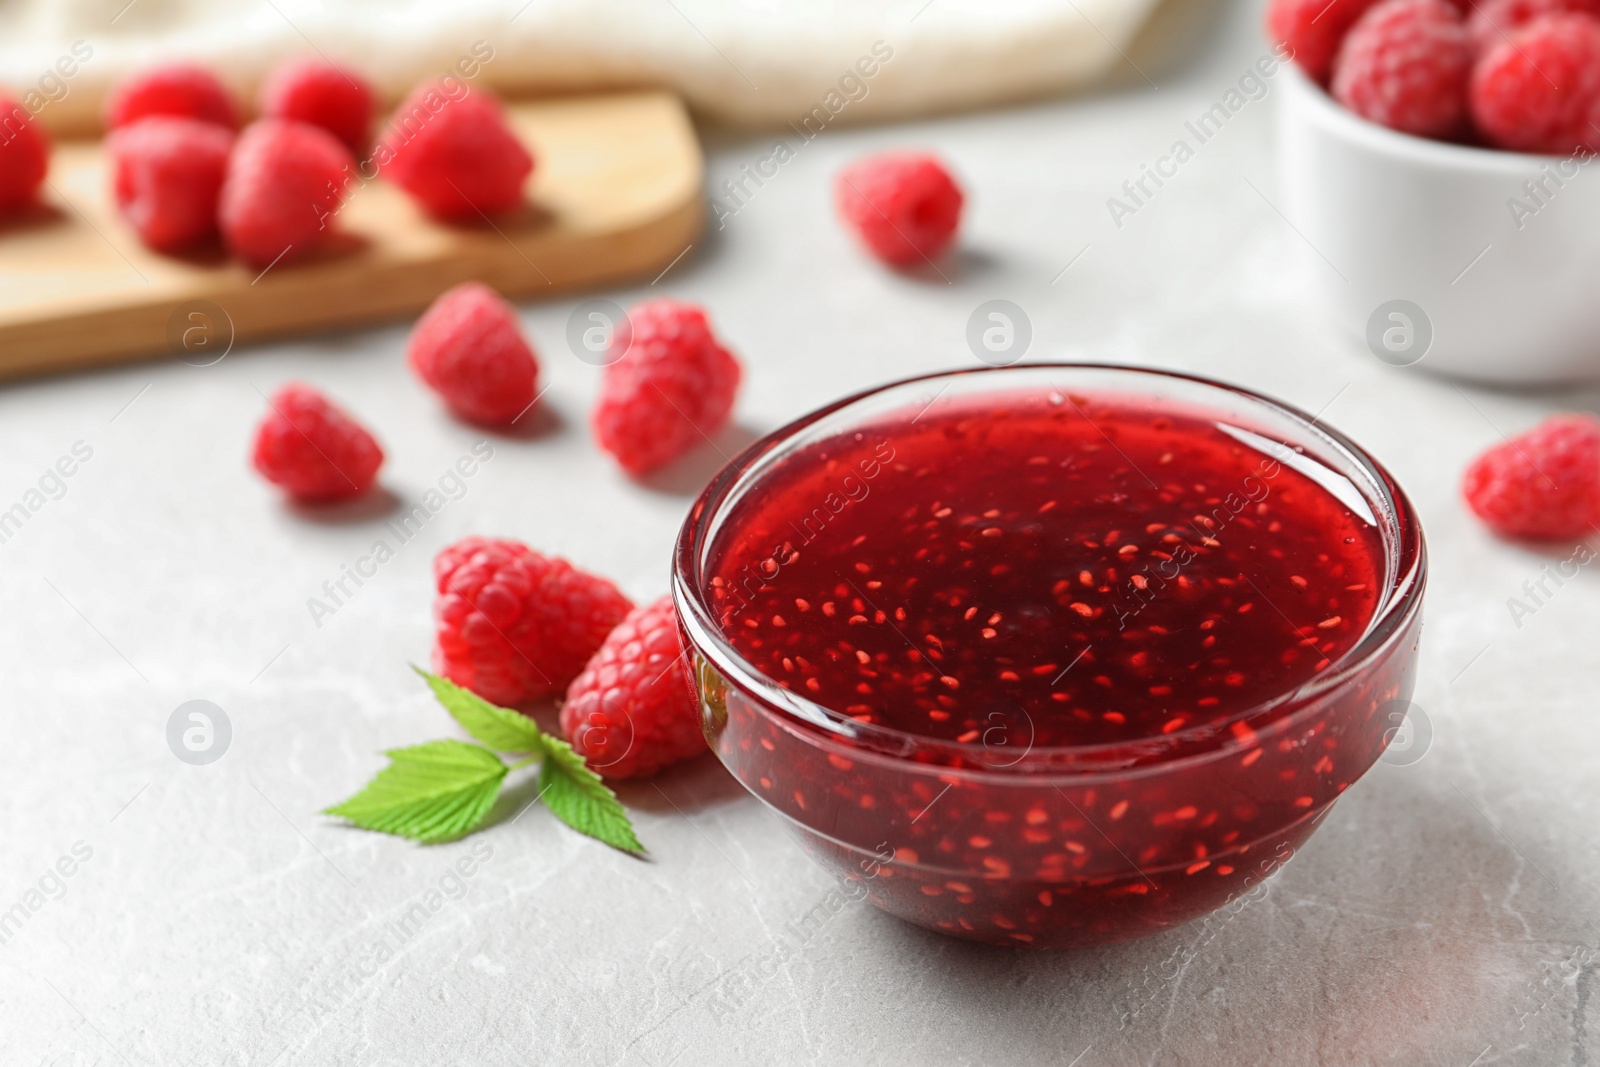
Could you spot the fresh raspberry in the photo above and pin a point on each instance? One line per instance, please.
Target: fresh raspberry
(456, 155)
(1313, 29)
(180, 89)
(1541, 484)
(284, 183)
(24, 155)
(515, 626)
(321, 94)
(468, 347)
(166, 174)
(1491, 21)
(672, 386)
(904, 206)
(1405, 65)
(312, 449)
(632, 712)
(1539, 90)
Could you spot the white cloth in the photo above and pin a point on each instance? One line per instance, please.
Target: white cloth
(749, 61)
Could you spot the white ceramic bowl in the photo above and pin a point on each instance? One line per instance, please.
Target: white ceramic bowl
(1439, 255)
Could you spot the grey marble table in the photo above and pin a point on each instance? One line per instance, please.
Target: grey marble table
(1444, 914)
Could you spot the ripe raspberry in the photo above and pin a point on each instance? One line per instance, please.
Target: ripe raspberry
(903, 206)
(1541, 484)
(457, 156)
(633, 712)
(1405, 65)
(672, 386)
(180, 89)
(1539, 90)
(284, 183)
(1313, 29)
(515, 626)
(24, 155)
(166, 174)
(320, 94)
(311, 448)
(468, 347)
(1492, 21)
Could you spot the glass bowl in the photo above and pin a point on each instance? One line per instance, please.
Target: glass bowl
(1002, 841)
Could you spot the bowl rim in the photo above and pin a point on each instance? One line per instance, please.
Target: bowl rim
(1403, 589)
(1314, 101)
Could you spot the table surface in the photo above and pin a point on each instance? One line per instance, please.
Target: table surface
(213, 917)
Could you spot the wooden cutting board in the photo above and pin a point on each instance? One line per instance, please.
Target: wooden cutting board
(615, 195)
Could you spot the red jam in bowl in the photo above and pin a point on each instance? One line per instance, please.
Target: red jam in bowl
(1052, 665)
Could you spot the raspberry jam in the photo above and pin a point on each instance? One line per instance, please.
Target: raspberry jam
(1051, 665)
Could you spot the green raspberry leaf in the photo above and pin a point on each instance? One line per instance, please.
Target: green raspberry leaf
(500, 728)
(580, 799)
(430, 793)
